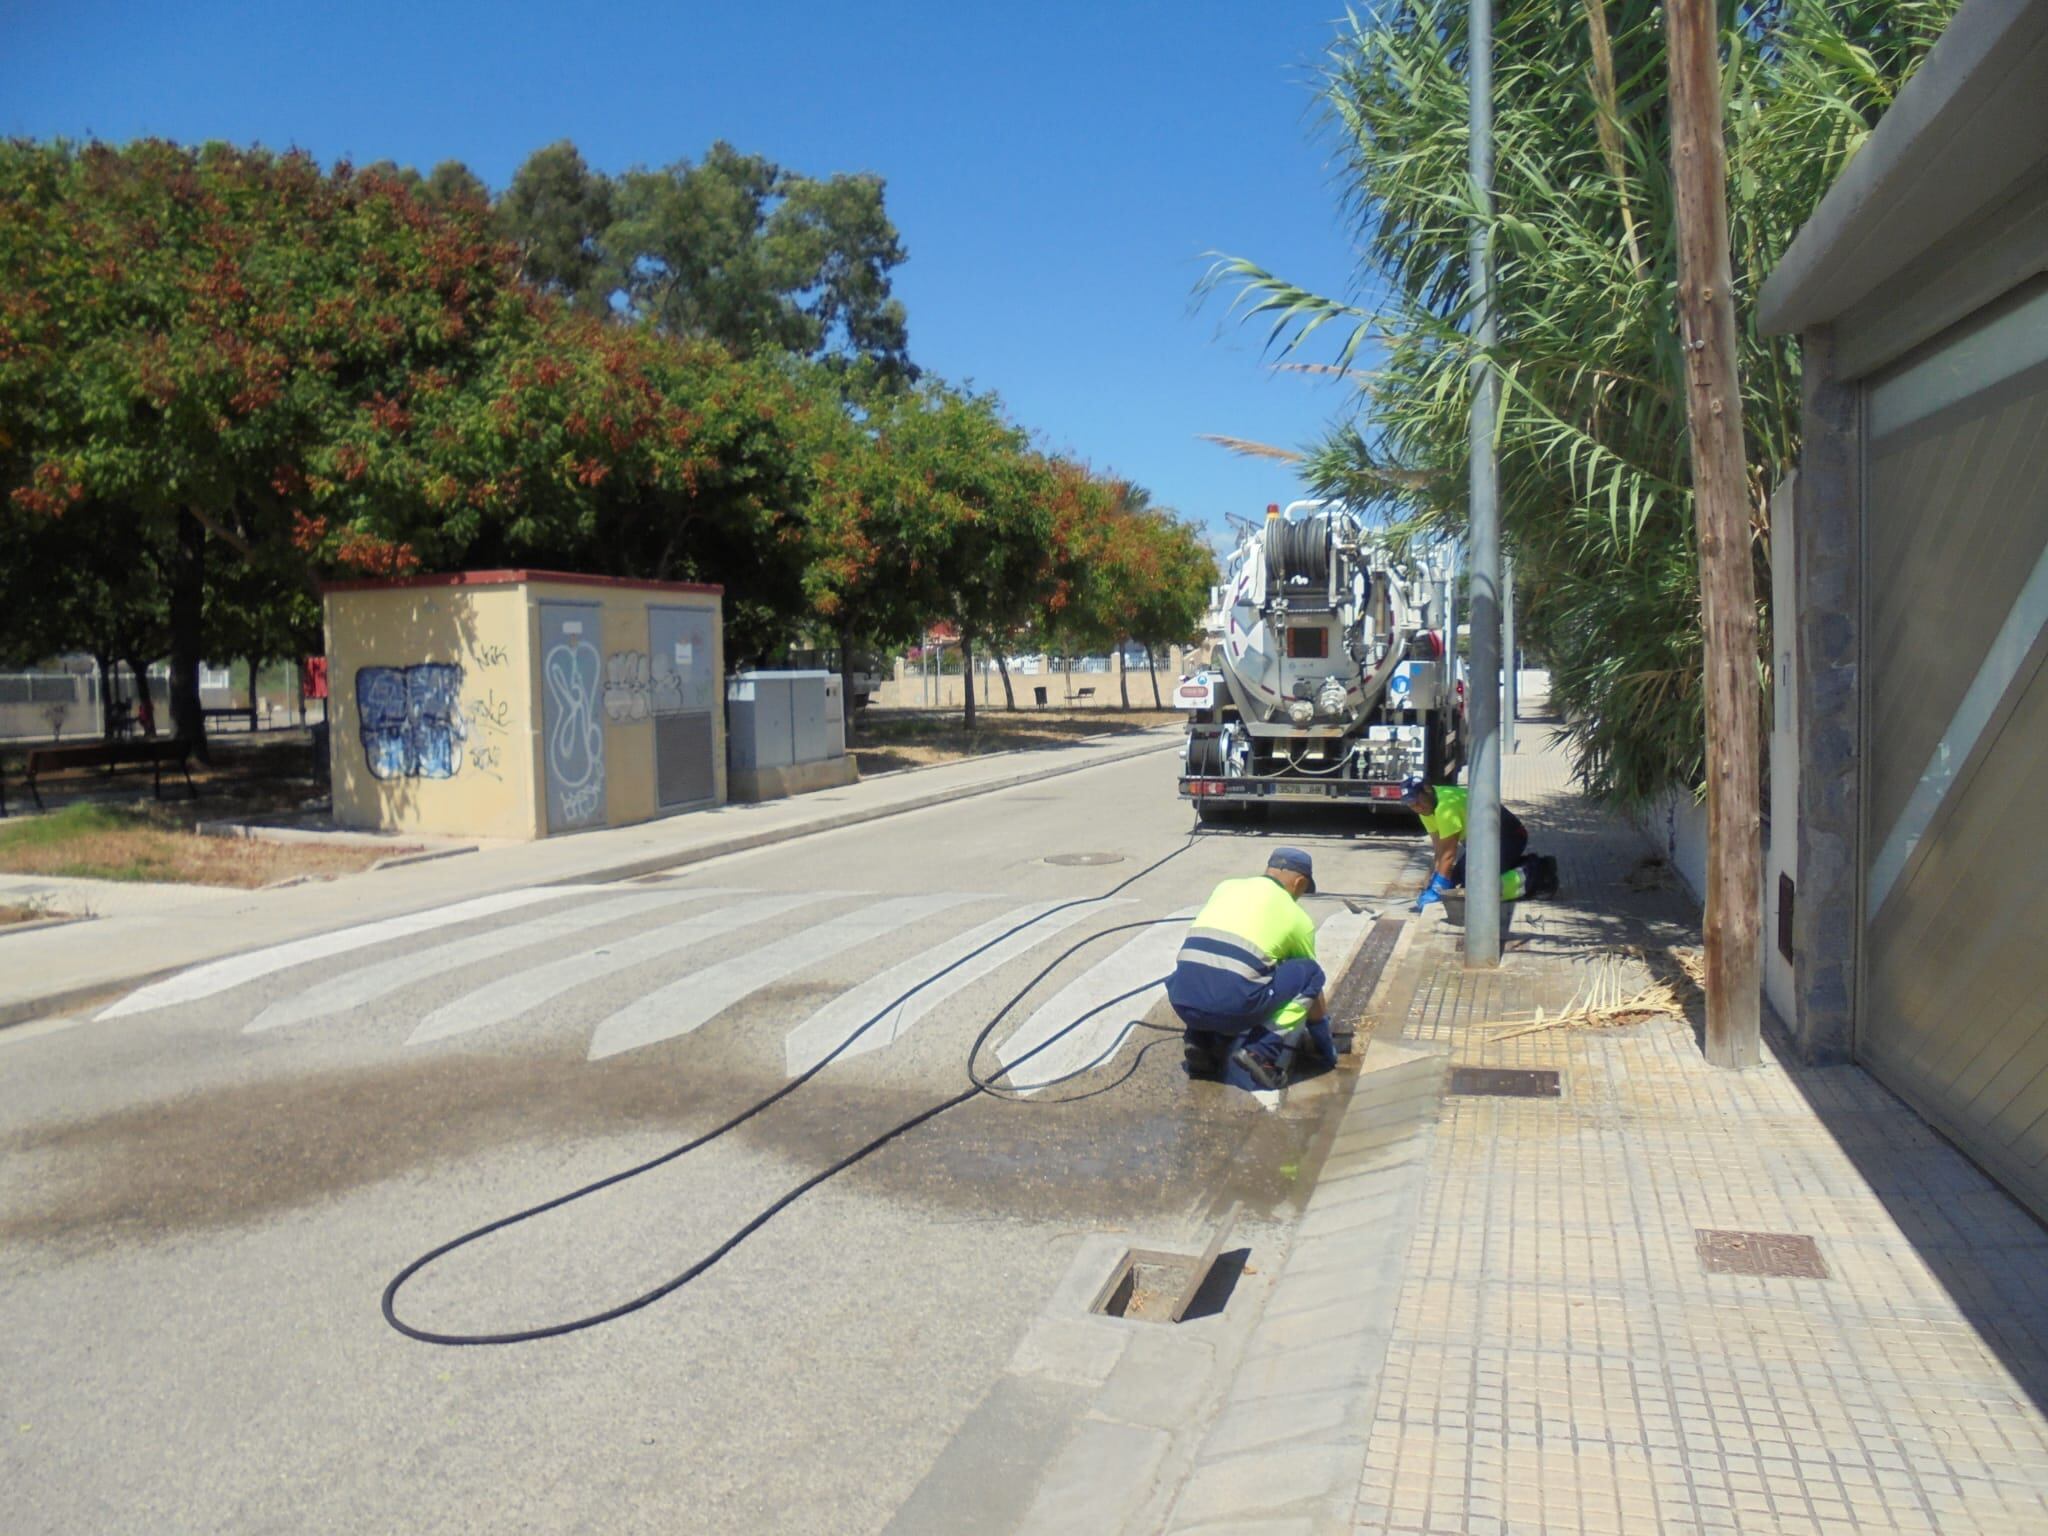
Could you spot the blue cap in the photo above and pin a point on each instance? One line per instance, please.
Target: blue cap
(1412, 787)
(1295, 862)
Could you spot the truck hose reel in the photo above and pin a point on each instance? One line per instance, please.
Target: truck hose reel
(1297, 549)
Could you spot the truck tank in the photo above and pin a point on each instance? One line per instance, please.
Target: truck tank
(1326, 677)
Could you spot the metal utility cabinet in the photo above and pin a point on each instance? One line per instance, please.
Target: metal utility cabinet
(787, 734)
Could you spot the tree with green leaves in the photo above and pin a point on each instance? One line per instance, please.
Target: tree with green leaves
(1594, 483)
(737, 249)
(968, 514)
(181, 331)
(556, 212)
(1168, 604)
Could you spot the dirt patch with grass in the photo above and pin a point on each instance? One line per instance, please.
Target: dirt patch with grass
(11, 913)
(885, 740)
(106, 842)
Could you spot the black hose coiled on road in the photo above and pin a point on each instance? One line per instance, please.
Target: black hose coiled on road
(978, 1086)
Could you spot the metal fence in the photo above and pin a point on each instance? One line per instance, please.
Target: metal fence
(58, 704)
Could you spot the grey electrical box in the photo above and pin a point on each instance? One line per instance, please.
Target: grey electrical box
(778, 719)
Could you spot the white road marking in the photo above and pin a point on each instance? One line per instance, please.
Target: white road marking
(812, 1041)
(1147, 957)
(688, 1004)
(219, 975)
(1098, 1040)
(385, 977)
(510, 996)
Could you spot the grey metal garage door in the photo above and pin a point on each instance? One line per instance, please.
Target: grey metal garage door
(1953, 1010)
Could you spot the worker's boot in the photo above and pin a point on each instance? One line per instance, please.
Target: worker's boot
(1261, 1068)
(1204, 1057)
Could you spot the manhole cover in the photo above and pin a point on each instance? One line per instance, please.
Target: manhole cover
(1084, 858)
(1504, 1083)
(1772, 1255)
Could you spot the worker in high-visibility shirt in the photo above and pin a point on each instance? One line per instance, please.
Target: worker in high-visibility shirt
(1444, 811)
(1247, 986)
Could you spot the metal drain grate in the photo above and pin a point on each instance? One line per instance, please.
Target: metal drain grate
(1361, 976)
(1505, 1083)
(1772, 1255)
(1084, 858)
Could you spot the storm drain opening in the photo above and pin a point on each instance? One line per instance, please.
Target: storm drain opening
(1151, 1285)
(1505, 1083)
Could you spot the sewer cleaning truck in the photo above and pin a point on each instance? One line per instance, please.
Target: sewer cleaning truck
(1327, 677)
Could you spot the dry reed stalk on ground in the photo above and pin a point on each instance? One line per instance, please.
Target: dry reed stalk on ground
(1605, 1001)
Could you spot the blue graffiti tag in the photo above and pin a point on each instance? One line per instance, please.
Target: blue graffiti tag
(411, 720)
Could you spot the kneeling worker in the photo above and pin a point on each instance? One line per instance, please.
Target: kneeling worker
(1247, 986)
(1443, 811)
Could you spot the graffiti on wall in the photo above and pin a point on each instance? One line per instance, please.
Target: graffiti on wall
(633, 690)
(411, 720)
(575, 736)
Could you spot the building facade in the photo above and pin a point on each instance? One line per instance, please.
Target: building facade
(1919, 292)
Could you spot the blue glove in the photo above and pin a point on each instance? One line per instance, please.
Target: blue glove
(1439, 885)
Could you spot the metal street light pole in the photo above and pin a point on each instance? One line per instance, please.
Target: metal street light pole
(1482, 833)
(1510, 659)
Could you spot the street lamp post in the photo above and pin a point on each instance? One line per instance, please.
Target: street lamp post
(1510, 659)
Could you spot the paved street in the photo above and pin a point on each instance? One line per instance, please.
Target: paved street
(207, 1185)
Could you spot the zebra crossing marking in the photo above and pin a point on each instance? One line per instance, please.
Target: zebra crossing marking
(810, 1042)
(520, 993)
(218, 976)
(1150, 954)
(690, 1002)
(382, 978)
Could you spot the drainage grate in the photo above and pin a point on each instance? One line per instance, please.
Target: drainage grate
(1084, 858)
(1504, 1083)
(1773, 1255)
(1361, 976)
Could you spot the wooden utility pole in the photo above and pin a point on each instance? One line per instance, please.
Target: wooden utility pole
(1713, 402)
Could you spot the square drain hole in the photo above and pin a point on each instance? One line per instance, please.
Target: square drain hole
(1149, 1285)
(1771, 1255)
(1505, 1083)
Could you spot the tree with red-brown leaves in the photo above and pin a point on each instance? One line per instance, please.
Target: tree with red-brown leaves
(183, 331)
(283, 371)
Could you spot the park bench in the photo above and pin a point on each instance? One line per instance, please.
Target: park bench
(1080, 693)
(154, 751)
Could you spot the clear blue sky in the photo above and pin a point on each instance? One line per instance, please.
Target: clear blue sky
(1057, 171)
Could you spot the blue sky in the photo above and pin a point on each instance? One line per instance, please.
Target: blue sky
(1058, 171)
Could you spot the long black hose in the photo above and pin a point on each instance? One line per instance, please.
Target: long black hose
(978, 1087)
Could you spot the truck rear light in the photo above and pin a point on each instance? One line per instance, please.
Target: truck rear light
(1386, 791)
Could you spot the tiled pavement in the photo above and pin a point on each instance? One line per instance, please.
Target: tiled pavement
(1558, 1359)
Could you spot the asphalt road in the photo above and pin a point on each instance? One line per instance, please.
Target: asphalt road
(205, 1189)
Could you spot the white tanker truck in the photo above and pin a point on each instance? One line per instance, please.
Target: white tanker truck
(1327, 678)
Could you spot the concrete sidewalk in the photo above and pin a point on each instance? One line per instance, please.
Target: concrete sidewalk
(1498, 1314)
(148, 932)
